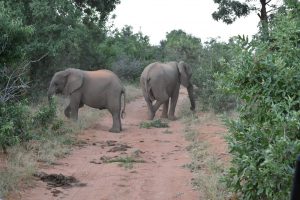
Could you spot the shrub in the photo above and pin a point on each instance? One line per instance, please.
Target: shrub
(157, 123)
(264, 140)
(14, 123)
(45, 115)
(211, 60)
(18, 123)
(127, 68)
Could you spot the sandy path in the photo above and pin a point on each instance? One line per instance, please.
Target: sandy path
(161, 177)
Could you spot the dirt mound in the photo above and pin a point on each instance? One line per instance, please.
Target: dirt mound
(119, 147)
(58, 180)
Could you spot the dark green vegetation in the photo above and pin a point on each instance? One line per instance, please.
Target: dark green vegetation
(157, 123)
(264, 139)
(261, 76)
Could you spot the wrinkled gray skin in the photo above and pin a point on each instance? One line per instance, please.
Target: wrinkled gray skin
(161, 82)
(100, 89)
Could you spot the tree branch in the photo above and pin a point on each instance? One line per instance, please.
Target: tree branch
(14, 85)
(268, 2)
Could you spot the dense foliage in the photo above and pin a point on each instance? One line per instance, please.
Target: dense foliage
(38, 37)
(264, 140)
(127, 53)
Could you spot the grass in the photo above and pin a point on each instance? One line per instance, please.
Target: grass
(20, 166)
(208, 170)
(132, 92)
(50, 144)
(126, 162)
(157, 123)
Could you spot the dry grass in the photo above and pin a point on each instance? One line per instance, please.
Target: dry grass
(20, 166)
(208, 170)
(23, 159)
(132, 92)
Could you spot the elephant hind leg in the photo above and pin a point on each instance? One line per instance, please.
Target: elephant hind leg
(153, 108)
(151, 113)
(156, 106)
(116, 127)
(174, 99)
(165, 110)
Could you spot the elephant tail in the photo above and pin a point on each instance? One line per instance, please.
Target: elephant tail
(123, 113)
(149, 90)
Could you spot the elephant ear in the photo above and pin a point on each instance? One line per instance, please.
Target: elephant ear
(185, 73)
(74, 80)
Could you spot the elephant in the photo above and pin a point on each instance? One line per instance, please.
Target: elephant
(100, 89)
(160, 82)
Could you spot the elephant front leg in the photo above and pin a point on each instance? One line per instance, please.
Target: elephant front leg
(68, 111)
(74, 112)
(117, 127)
(75, 104)
(165, 109)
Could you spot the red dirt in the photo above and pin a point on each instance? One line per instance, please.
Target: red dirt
(161, 176)
(212, 132)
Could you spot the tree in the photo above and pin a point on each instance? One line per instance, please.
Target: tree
(127, 53)
(230, 10)
(67, 31)
(181, 46)
(13, 38)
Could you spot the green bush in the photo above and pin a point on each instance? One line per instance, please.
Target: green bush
(127, 68)
(264, 140)
(211, 60)
(157, 123)
(45, 115)
(14, 124)
(18, 123)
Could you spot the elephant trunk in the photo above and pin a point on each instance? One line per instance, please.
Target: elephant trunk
(50, 93)
(190, 90)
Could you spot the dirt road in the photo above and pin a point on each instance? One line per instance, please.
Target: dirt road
(137, 164)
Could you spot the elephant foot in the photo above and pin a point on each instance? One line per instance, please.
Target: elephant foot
(114, 130)
(151, 116)
(172, 118)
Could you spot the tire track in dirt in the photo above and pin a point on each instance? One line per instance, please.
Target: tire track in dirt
(160, 177)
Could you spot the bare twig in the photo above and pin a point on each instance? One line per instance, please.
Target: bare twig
(14, 85)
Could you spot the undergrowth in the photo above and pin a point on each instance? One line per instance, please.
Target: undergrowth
(207, 169)
(157, 123)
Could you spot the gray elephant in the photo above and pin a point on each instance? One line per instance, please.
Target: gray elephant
(161, 82)
(100, 89)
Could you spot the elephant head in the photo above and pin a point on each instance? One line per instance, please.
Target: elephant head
(65, 82)
(185, 79)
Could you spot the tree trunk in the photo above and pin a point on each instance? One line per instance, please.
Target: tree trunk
(264, 19)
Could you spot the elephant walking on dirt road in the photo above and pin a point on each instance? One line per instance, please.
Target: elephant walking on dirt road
(160, 82)
(100, 89)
